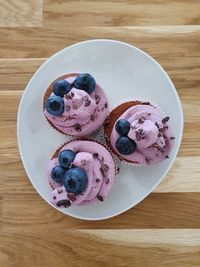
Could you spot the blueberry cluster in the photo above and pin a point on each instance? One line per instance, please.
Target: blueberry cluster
(74, 178)
(55, 103)
(124, 144)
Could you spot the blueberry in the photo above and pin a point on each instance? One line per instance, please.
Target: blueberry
(57, 174)
(85, 82)
(125, 145)
(66, 157)
(55, 105)
(122, 127)
(61, 87)
(75, 180)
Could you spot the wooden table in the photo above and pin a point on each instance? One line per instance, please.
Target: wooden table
(163, 230)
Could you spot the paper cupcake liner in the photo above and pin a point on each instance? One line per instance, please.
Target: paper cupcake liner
(106, 138)
(97, 131)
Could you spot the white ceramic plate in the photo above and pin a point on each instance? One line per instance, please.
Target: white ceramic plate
(124, 72)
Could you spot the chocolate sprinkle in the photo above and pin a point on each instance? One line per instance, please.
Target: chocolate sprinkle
(172, 137)
(140, 134)
(83, 162)
(71, 196)
(97, 98)
(164, 120)
(64, 202)
(149, 114)
(155, 145)
(118, 170)
(106, 105)
(141, 120)
(104, 169)
(67, 108)
(100, 198)
(92, 117)
(72, 94)
(162, 150)
(107, 180)
(54, 197)
(59, 191)
(103, 172)
(98, 180)
(146, 103)
(68, 96)
(156, 123)
(87, 102)
(77, 127)
(105, 166)
(147, 160)
(74, 106)
(138, 137)
(167, 157)
(95, 155)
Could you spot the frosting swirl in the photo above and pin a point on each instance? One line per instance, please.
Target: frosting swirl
(83, 112)
(151, 133)
(100, 169)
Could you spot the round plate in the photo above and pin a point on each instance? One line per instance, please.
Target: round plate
(124, 72)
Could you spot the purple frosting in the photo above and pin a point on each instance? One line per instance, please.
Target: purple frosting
(83, 114)
(151, 133)
(97, 162)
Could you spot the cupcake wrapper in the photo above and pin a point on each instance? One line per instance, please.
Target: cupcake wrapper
(97, 131)
(105, 138)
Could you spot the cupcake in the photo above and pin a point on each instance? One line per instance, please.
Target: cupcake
(80, 172)
(138, 133)
(75, 105)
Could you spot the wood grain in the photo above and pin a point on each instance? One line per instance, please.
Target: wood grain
(183, 177)
(179, 46)
(121, 13)
(15, 73)
(97, 248)
(21, 13)
(163, 230)
(184, 71)
(28, 212)
(172, 47)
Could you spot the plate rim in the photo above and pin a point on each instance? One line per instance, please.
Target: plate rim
(172, 160)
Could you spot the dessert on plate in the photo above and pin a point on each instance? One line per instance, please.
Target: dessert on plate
(138, 133)
(80, 172)
(74, 104)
